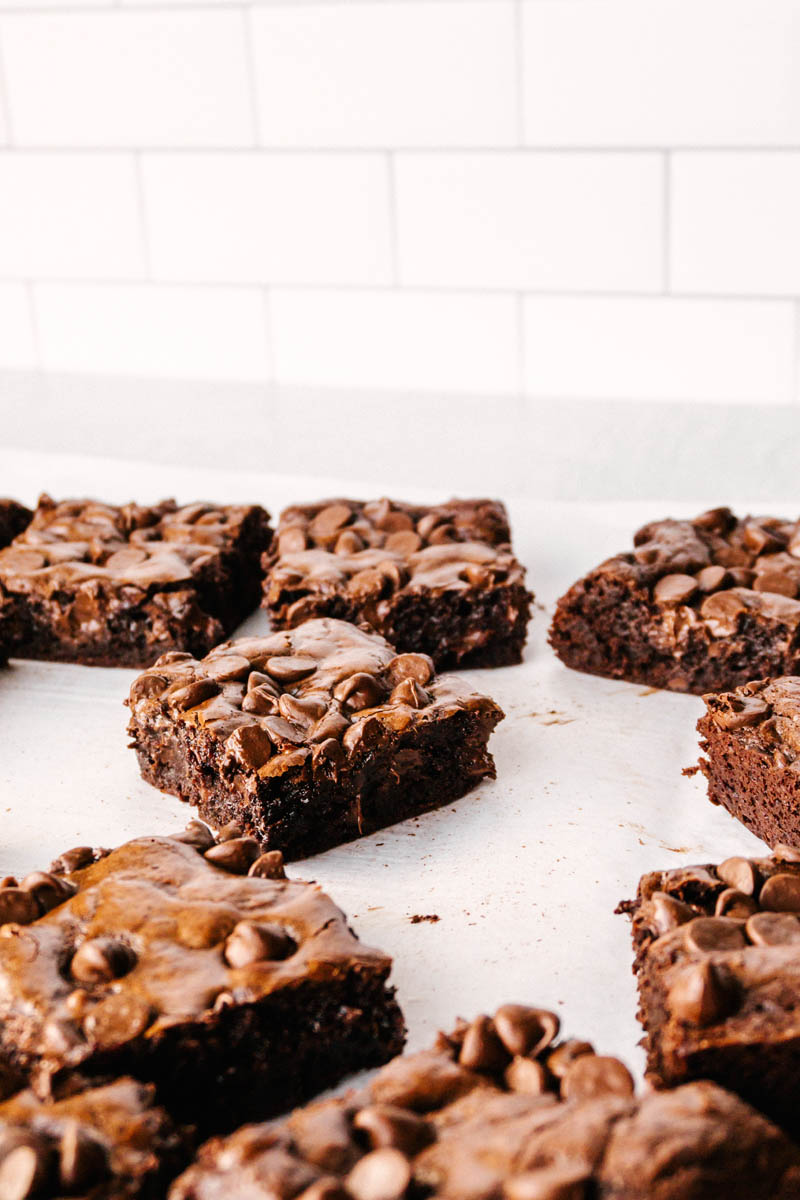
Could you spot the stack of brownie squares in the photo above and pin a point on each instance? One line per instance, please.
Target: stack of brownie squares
(182, 988)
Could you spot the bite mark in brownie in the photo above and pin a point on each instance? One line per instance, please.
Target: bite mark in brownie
(717, 960)
(696, 606)
(191, 963)
(310, 737)
(119, 585)
(440, 580)
(496, 1109)
(751, 744)
(107, 1143)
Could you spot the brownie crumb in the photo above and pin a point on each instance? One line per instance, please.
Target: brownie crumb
(432, 918)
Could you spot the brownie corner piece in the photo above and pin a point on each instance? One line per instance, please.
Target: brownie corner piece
(118, 585)
(750, 739)
(439, 579)
(694, 606)
(717, 961)
(105, 1143)
(310, 736)
(194, 964)
(498, 1107)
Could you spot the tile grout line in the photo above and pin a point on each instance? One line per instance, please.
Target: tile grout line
(33, 313)
(269, 335)
(394, 221)
(144, 226)
(252, 83)
(519, 70)
(5, 101)
(667, 222)
(521, 348)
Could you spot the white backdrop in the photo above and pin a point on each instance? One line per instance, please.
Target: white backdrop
(558, 198)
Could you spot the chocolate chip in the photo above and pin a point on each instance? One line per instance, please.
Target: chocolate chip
(668, 912)
(250, 745)
(268, 866)
(711, 578)
(258, 680)
(25, 1168)
(303, 710)
(193, 694)
(251, 942)
(280, 730)
(348, 542)
(418, 667)
(73, 860)
(559, 1060)
(482, 1049)
(409, 692)
(17, 907)
(147, 685)
(291, 668)
(404, 542)
(783, 853)
(525, 1031)
(721, 612)
(260, 702)
(59, 1037)
(773, 929)
(700, 995)
(367, 584)
(99, 960)
(380, 1175)
(732, 903)
(228, 667)
(83, 1161)
(328, 521)
(776, 582)
(567, 1181)
(236, 856)
(741, 874)
(230, 831)
(196, 834)
(386, 1125)
(359, 691)
(594, 1075)
(332, 725)
(48, 890)
(674, 589)
(117, 1019)
(526, 1075)
(291, 541)
(707, 934)
(780, 893)
(737, 712)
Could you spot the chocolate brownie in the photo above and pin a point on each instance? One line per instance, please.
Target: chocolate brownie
(751, 739)
(107, 1143)
(191, 963)
(717, 957)
(696, 606)
(117, 586)
(498, 1109)
(311, 736)
(439, 580)
(13, 519)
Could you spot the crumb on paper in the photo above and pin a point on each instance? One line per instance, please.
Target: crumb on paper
(432, 918)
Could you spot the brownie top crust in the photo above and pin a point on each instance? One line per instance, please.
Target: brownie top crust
(374, 550)
(499, 1108)
(111, 946)
(724, 942)
(764, 714)
(155, 546)
(110, 1141)
(714, 568)
(326, 689)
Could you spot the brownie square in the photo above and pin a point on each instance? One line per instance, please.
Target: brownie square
(117, 586)
(717, 959)
(695, 606)
(107, 1143)
(309, 737)
(498, 1109)
(440, 580)
(193, 964)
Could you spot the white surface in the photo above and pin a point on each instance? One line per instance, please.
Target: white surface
(524, 873)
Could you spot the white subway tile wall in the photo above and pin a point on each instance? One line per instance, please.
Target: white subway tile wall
(553, 198)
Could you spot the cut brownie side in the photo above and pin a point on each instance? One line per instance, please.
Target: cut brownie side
(118, 586)
(498, 1109)
(107, 1143)
(192, 964)
(696, 606)
(310, 737)
(439, 580)
(717, 958)
(13, 519)
(751, 739)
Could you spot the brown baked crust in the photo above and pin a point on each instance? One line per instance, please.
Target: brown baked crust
(696, 606)
(192, 963)
(120, 585)
(497, 1108)
(311, 736)
(751, 743)
(107, 1143)
(433, 579)
(717, 958)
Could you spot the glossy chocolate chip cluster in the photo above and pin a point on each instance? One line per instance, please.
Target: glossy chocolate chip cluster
(322, 693)
(719, 934)
(370, 552)
(721, 566)
(769, 709)
(112, 946)
(79, 540)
